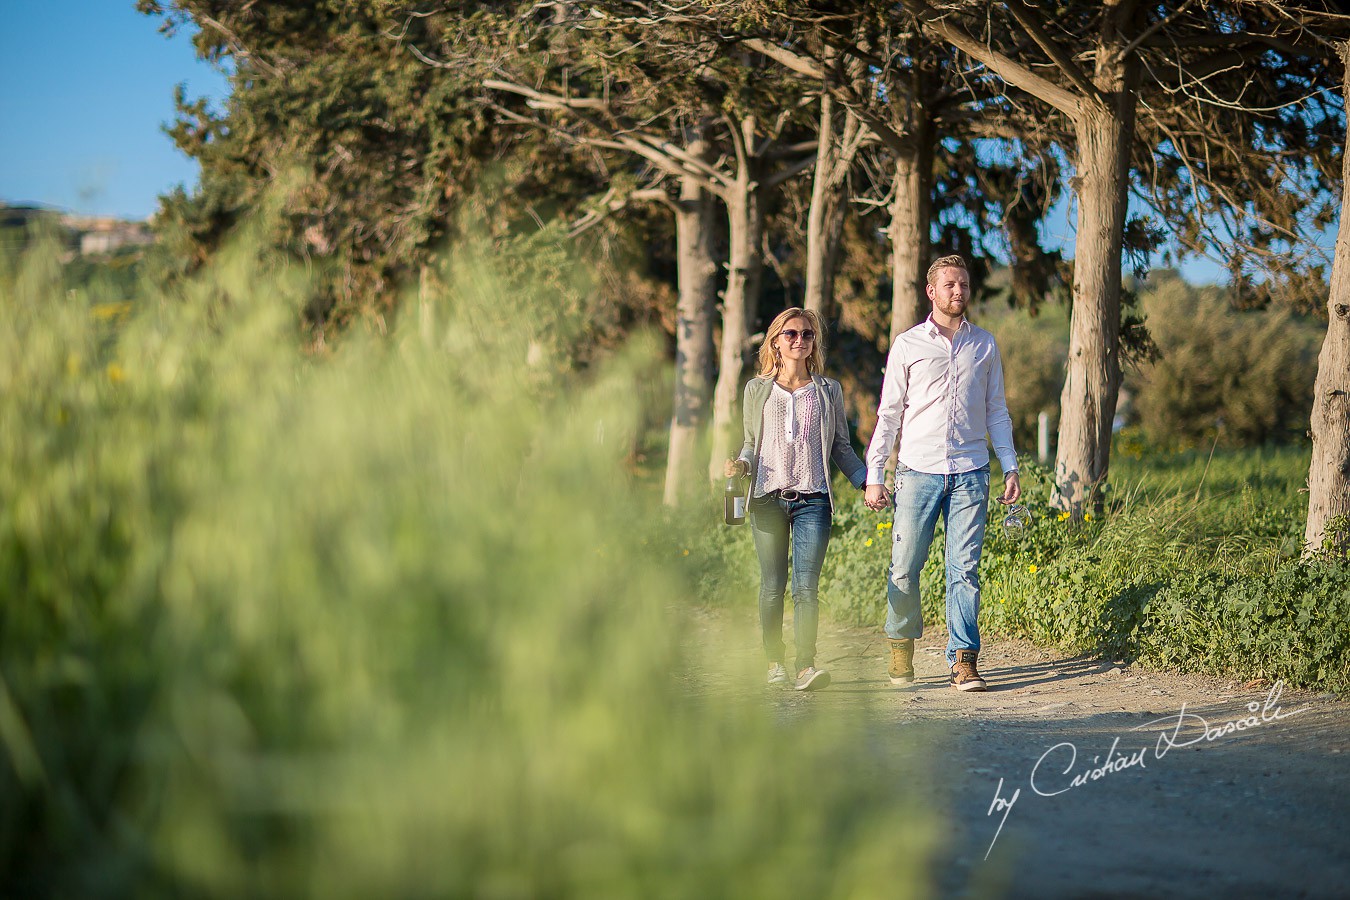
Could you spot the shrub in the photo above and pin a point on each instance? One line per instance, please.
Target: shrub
(1288, 624)
(1252, 371)
(1034, 351)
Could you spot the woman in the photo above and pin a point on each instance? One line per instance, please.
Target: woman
(794, 425)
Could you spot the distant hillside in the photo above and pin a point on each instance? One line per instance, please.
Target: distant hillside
(88, 235)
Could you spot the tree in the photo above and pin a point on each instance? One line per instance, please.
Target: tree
(375, 150)
(762, 164)
(838, 147)
(696, 234)
(1329, 469)
(642, 87)
(911, 95)
(1237, 57)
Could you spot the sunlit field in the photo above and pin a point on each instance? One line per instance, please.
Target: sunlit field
(382, 620)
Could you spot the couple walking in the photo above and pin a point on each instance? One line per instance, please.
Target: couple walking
(943, 390)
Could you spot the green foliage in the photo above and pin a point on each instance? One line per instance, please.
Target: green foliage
(855, 572)
(388, 621)
(378, 148)
(1286, 624)
(1252, 370)
(1197, 565)
(1035, 348)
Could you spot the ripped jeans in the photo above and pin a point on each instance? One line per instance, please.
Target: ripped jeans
(963, 502)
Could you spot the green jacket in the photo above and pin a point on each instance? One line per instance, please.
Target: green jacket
(834, 442)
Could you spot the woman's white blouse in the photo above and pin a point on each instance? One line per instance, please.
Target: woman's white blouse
(789, 452)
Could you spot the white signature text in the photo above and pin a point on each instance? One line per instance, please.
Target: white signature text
(1056, 771)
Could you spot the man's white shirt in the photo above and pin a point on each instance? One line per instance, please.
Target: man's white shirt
(941, 398)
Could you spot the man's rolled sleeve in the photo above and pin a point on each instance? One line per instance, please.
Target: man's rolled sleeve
(997, 418)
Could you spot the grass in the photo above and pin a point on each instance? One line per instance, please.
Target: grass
(382, 621)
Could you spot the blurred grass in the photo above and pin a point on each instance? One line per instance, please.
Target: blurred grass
(383, 621)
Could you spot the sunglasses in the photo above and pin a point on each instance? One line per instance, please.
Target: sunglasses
(792, 334)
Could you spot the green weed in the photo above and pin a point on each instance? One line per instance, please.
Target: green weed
(385, 620)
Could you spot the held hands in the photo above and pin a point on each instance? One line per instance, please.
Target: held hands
(736, 467)
(877, 497)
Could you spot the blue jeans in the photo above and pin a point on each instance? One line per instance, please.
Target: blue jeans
(963, 502)
(803, 524)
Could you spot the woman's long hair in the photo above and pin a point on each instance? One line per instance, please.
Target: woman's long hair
(768, 353)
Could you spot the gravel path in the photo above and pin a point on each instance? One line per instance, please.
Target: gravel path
(1185, 805)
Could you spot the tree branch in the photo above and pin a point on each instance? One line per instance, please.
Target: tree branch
(1152, 29)
(546, 101)
(681, 155)
(239, 49)
(1056, 53)
(740, 144)
(657, 150)
(662, 161)
(1011, 72)
(791, 171)
(789, 59)
(610, 204)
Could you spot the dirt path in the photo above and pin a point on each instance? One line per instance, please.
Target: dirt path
(1260, 807)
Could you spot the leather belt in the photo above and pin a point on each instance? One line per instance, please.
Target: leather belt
(790, 495)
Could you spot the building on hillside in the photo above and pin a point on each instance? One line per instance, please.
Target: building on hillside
(103, 234)
(83, 235)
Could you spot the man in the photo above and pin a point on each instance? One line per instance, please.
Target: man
(943, 391)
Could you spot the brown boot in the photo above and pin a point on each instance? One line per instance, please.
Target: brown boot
(965, 677)
(902, 661)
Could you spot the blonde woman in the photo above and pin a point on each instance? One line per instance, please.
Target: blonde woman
(794, 427)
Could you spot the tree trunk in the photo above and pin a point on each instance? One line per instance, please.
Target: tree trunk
(745, 218)
(695, 235)
(911, 219)
(1329, 471)
(1092, 379)
(829, 201)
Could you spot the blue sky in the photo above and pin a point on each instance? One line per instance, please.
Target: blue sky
(88, 85)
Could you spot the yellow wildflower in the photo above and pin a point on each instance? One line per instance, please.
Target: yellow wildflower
(1087, 517)
(868, 543)
(105, 311)
(1032, 568)
(684, 553)
(115, 373)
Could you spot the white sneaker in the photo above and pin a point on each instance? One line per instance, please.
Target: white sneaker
(777, 674)
(811, 679)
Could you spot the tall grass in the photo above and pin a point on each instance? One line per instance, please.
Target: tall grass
(385, 621)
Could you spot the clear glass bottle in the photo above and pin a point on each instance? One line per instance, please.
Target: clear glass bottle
(733, 500)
